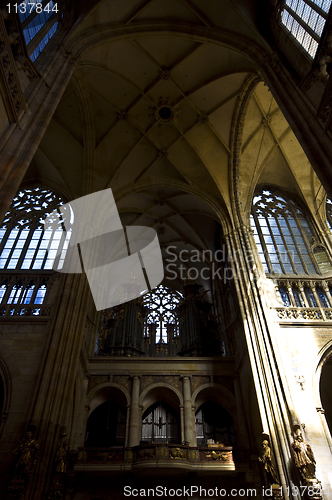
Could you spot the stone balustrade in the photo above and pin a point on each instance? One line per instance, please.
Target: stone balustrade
(304, 300)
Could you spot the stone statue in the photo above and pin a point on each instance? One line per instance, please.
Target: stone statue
(266, 460)
(303, 456)
(27, 457)
(57, 487)
(61, 459)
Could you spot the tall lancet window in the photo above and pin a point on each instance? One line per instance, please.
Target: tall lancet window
(329, 213)
(285, 240)
(39, 21)
(305, 19)
(25, 243)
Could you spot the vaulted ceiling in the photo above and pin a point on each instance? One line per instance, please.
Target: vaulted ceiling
(151, 114)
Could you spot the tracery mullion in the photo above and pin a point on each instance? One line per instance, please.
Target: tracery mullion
(7, 293)
(275, 243)
(5, 237)
(262, 240)
(37, 247)
(25, 246)
(34, 293)
(59, 253)
(25, 293)
(50, 241)
(296, 245)
(304, 238)
(13, 246)
(160, 334)
(285, 244)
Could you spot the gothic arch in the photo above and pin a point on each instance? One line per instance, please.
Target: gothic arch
(6, 379)
(324, 357)
(222, 215)
(150, 395)
(89, 38)
(100, 395)
(217, 393)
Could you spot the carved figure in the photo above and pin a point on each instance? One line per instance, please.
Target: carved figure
(218, 455)
(61, 461)
(146, 453)
(176, 453)
(303, 456)
(266, 460)
(27, 457)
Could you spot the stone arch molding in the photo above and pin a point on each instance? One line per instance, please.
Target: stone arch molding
(222, 215)
(98, 391)
(223, 396)
(227, 399)
(160, 385)
(324, 354)
(9, 371)
(77, 44)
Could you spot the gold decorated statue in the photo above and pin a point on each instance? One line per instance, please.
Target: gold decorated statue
(266, 460)
(303, 456)
(27, 454)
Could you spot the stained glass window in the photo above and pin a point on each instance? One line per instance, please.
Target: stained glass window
(305, 19)
(162, 315)
(38, 17)
(25, 243)
(284, 236)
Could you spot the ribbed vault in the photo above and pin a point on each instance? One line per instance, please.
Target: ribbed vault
(152, 117)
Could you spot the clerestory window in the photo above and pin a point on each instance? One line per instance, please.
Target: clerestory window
(25, 243)
(39, 21)
(285, 240)
(305, 19)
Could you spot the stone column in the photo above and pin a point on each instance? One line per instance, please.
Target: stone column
(82, 416)
(182, 424)
(127, 425)
(189, 427)
(300, 286)
(134, 423)
(327, 292)
(19, 147)
(289, 286)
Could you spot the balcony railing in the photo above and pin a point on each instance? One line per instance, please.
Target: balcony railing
(304, 300)
(157, 455)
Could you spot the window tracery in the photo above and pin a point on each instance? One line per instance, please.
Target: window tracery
(37, 18)
(285, 240)
(162, 318)
(305, 20)
(25, 243)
